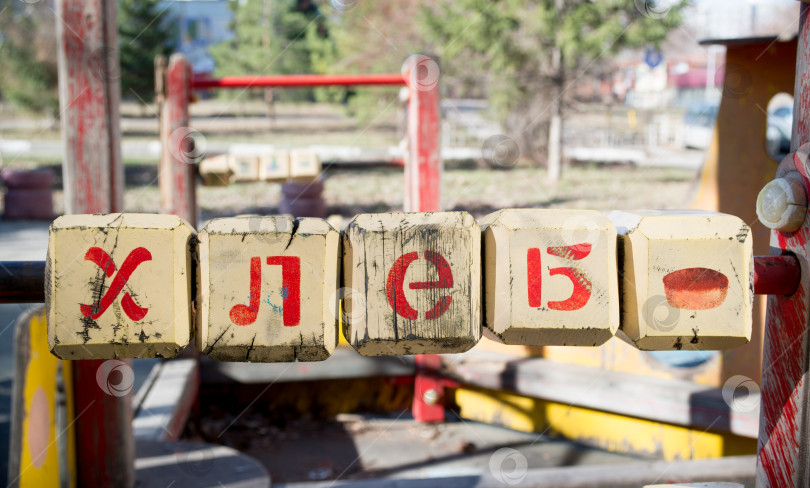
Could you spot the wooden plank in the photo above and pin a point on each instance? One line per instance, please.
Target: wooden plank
(119, 286)
(686, 279)
(89, 96)
(420, 275)
(423, 168)
(550, 277)
(179, 154)
(675, 402)
(267, 289)
(163, 412)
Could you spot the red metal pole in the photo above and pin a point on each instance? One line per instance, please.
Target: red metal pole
(423, 172)
(784, 451)
(292, 81)
(776, 275)
(89, 96)
(179, 155)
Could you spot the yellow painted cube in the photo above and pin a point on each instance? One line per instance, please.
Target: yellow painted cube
(305, 165)
(550, 277)
(414, 281)
(274, 166)
(245, 167)
(118, 286)
(216, 170)
(686, 279)
(267, 289)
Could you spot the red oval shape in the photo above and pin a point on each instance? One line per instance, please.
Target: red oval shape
(696, 288)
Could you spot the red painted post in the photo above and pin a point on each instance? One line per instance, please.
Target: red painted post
(179, 154)
(89, 96)
(423, 173)
(784, 450)
(776, 275)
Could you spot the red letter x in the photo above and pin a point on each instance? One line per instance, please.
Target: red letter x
(105, 262)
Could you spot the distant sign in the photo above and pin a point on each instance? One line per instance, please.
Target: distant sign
(653, 57)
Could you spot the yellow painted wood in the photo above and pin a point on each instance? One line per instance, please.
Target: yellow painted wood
(686, 279)
(216, 170)
(39, 456)
(608, 431)
(160, 284)
(274, 166)
(428, 267)
(245, 167)
(305, 165)
(550, 277)
(230, 251)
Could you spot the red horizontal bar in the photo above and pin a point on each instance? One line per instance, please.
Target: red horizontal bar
(292, 81)
(776, 275)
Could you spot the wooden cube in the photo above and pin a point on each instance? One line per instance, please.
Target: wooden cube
(415, 281)
(274, 166)
(550, 277)
(245, 167)
(118, 286)
(267, 289)
(686, 279)
(305, 165)
(216, 170)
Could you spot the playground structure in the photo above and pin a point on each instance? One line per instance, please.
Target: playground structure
(782, 424)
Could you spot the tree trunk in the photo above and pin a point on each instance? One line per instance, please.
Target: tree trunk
(555, 125)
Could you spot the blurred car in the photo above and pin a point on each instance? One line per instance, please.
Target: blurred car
(698, 125)
(780, 129)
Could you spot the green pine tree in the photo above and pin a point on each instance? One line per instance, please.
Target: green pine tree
(144, 31)
(528, 52)
(274, 37)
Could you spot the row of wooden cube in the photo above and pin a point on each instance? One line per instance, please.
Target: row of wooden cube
(274, 166)
(275, 288)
